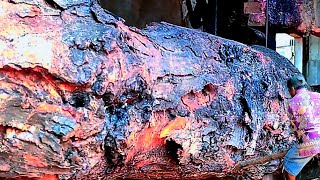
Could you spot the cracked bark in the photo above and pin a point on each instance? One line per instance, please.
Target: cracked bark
(82, 96)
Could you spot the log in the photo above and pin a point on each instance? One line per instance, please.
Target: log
(83, 96)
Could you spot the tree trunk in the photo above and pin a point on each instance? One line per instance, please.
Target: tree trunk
(82, 96)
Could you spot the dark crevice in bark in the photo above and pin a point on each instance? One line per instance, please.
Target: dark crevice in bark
(173, 150)
(54, 5)
(79, 99)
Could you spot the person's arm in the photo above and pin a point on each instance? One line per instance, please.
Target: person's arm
(292, 126)
(295, 126)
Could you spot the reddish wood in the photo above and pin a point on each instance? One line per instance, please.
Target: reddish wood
(83, 96)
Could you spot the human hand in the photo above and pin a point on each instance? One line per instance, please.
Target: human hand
(299, 133)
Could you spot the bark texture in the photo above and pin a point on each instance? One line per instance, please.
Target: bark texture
(298, 16)
(82, 96)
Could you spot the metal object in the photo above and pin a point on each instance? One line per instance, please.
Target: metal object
(261, 160)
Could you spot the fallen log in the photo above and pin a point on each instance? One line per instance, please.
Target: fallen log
(83, 96)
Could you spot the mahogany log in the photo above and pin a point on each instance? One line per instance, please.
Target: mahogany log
(83, 96)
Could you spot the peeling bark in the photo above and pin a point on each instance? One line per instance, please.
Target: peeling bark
(82, 96)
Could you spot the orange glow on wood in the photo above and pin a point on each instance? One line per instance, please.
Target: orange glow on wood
(178, 123)
(152, 137)
(34, 161)
(146, 140)
(26, 127)
(11, 132)
(48, 108)
(52, 108)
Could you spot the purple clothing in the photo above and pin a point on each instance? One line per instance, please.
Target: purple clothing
(304, 113)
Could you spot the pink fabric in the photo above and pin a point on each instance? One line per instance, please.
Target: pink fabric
(304, 153)
(304, 113)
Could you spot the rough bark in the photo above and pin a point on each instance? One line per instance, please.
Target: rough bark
(298, 16)
(82, 96)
